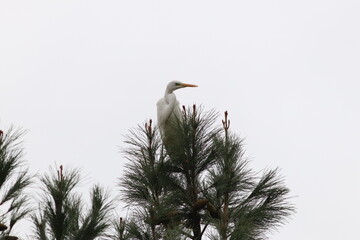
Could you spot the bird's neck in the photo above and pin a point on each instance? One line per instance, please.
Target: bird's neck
(168, 91)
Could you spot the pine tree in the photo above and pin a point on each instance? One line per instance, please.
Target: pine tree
(13, 181)
(199, 181)
(62, 214)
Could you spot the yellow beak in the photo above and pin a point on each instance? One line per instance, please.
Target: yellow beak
(188, 85)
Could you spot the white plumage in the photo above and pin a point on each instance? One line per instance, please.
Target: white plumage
(168, 107)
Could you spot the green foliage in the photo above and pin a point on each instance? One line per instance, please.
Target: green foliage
(147, 162)
(13, 181)
(247, 207)
(191, 154)
(265, 208)
(144, 185)
(63, 215)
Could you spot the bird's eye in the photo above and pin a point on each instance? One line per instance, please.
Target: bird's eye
(177, 84)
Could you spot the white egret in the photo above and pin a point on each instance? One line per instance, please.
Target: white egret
(168, 107)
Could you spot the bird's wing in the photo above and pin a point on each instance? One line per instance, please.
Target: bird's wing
(166, 109)
(161, 109)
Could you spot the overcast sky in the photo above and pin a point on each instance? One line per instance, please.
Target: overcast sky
(78, 74)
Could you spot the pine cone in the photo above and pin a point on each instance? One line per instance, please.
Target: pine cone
(3, 227)
(200, 204)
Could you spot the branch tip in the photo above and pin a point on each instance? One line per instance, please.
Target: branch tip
(226, 122)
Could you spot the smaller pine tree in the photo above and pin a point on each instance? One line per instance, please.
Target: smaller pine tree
(13, 181)
(62, 214)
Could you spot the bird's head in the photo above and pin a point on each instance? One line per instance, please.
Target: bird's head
(174, 85)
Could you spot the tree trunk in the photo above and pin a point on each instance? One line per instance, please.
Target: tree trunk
(196, 226)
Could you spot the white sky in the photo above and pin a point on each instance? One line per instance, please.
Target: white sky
(78, 74)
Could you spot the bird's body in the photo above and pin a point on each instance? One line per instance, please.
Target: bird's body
(168, 108)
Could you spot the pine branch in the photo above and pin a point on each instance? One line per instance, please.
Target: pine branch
(96, 222)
